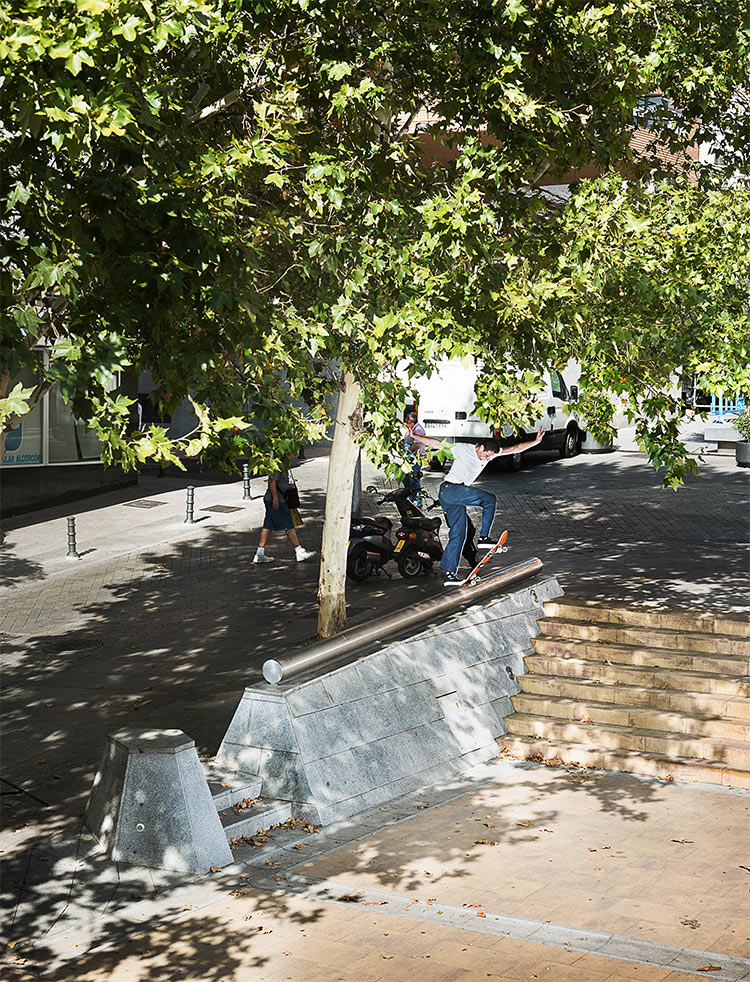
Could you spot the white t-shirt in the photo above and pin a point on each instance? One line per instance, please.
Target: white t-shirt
(467, 466)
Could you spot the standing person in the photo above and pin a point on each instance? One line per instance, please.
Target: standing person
(278, 518)
(413, 481)
(456, 493)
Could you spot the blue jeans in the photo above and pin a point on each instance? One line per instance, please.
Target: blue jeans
(412, 482)
(454, 498)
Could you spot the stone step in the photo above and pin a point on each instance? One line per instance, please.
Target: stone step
(640, 717)
(734, 753)
(652, 656)
(611, 690)
(228, 787)
(711, 622)
(561, 665)
(264, 813)
(665, 638)
(632, 762)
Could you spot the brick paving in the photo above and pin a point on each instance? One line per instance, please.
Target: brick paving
(161, 624)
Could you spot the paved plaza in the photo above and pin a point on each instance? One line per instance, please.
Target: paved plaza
(162, 624)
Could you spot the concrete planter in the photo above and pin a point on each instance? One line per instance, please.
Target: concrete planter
(590, 444)
(742, 453)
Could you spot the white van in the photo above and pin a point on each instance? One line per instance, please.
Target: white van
(446, 409)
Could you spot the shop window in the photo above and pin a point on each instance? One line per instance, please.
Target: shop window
(23, 445)
(69, 440)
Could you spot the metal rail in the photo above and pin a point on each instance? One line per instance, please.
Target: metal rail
(277, 669)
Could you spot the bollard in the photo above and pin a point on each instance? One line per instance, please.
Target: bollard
(246, 482)
(72, 552)
(189, 520)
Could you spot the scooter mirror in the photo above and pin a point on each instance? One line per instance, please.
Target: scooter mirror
(371, 489)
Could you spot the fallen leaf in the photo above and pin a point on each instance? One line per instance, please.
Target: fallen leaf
(386, 957)
(683, 842)
(216, 869)
(349, 899)
(591, 850)
(524, 825)
(373, 903)
(286, 952)
(605, 847)
(709, 968)
(489, 825)
(481, 913)
(690, 922)
(300, 845)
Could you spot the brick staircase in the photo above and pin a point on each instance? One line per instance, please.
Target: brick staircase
(658, 692)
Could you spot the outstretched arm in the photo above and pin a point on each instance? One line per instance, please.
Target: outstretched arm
(428, 441)
(527, 445)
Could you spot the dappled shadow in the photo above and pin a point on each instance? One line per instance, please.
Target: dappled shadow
(64, 895)
(15, 569)
(170, 644)
(173, 642)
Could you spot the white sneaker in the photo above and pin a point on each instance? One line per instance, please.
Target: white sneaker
(303, 554)
(262, 559)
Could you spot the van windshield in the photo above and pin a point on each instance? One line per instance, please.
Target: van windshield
(558, 386)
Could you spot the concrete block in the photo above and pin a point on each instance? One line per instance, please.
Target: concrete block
(308, 698)
(262, 720)
(411, 711)
(284, 775)
(470, 727)
(330, 731)
(345, 685)
(377, 673)
(150, 804)
(244, 760)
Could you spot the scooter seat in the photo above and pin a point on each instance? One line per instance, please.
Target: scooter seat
(382, 521)
(429, 524)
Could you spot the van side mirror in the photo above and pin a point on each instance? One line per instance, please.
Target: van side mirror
(573, 393)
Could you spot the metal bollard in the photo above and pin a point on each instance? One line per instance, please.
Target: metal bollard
(72, 551)
(189, 520)
(246, 482)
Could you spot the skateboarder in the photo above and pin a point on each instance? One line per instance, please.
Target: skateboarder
(456, 492)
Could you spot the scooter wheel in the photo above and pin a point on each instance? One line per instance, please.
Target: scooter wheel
(410, 565)
(358, 566)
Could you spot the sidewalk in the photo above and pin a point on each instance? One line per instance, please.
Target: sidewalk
(162, 624)
(515, 872)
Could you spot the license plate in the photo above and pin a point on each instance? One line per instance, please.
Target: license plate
(399, 545)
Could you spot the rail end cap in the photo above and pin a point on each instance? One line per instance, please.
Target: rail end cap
(272, 672)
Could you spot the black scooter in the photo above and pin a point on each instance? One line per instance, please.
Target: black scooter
(370, 547)
(417, 548)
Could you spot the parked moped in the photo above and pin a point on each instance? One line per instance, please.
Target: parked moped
(417, 541)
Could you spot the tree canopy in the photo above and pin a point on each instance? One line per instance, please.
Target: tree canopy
(233, 196)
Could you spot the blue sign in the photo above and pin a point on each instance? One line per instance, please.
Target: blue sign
(14, 438)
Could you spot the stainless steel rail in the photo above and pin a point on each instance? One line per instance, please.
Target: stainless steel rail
(277, 669)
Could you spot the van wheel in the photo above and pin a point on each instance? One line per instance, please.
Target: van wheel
(514, 462)
(571, 444)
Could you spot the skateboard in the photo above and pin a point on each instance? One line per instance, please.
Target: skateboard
(499, 546)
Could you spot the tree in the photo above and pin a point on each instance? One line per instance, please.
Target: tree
(646, 282)
(292, 238)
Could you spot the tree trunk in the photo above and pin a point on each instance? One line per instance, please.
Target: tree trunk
(344, 452)
(357, 488)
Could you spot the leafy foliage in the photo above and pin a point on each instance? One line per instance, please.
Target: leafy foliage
(233, 196)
